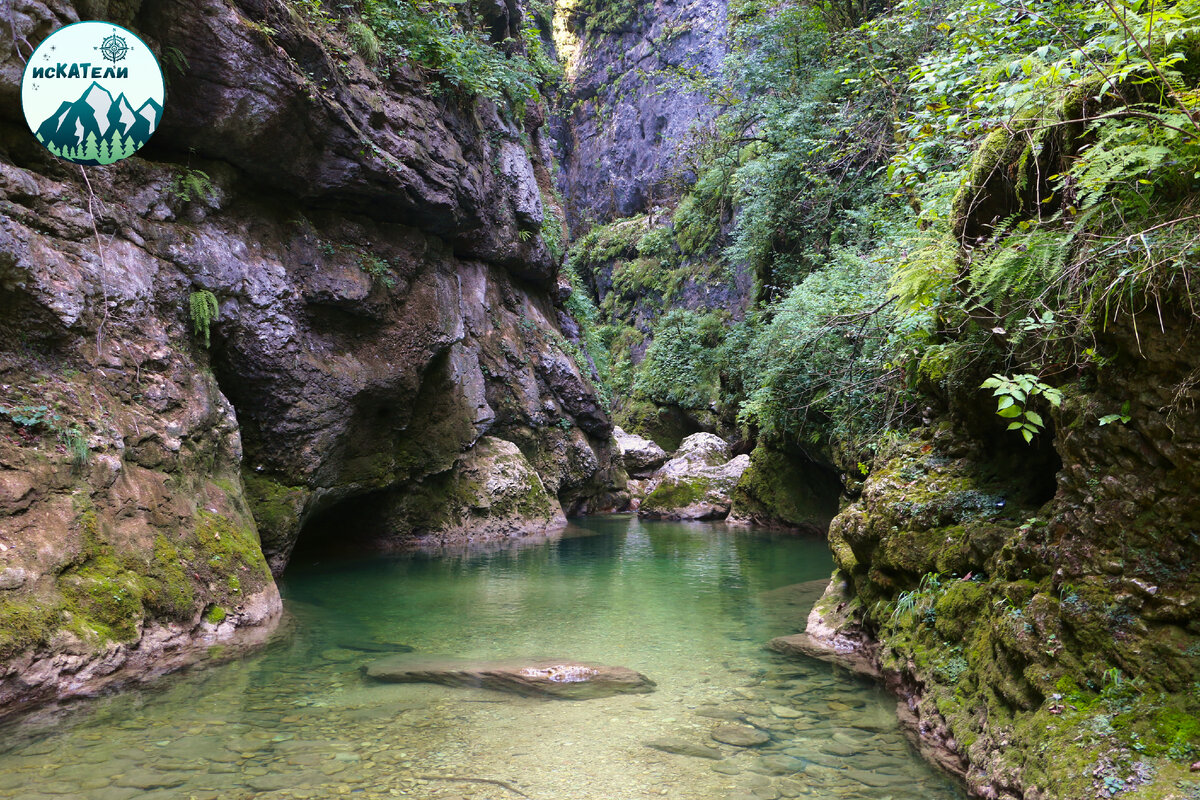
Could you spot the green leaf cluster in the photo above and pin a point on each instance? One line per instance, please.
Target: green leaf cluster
(204, 311)
(448, 38)
(1014, 395)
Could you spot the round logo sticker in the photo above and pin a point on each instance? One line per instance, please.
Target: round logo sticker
(92, 93)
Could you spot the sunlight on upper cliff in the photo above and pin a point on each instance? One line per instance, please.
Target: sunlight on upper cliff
(566, 41)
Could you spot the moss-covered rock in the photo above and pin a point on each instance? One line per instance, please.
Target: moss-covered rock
(666, 425)
(491, 492)
(277, 510)
(974, 610)
(697, 483)
(777, 491)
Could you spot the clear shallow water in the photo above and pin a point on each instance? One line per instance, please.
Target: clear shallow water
(687, 604)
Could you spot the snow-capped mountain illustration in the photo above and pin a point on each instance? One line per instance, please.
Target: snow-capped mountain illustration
(98, 128)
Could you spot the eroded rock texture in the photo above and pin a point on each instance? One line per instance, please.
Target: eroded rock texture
(1010, 622)
(633, 107)
(385, 304)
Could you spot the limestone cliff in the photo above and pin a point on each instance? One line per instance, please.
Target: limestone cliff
(634, 99)
(385, 304)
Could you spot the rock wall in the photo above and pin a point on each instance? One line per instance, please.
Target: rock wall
(1043, 648)
(385, 304)
(633, 98)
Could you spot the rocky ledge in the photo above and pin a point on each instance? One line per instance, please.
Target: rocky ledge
(69, 667)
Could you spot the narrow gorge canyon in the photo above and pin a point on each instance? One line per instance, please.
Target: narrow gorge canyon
(398, 277)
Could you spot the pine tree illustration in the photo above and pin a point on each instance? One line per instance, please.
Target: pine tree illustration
(90, 150)
(105, 154)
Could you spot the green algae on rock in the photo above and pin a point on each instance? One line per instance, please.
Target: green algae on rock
(696, 483)
(781, 491)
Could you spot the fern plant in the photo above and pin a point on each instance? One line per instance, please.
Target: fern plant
(204, 311)
(191, 184)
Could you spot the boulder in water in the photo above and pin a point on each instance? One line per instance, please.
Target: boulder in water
(697, 483)
(640, 456)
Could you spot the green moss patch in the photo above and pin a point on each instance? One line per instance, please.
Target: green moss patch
(226, 547)
(104, 599)
(26, 623)
(169, 592)
(672, 494)
(774, 488)
(276, 508)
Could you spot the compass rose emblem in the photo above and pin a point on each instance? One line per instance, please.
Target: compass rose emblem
(92, 94)
(114, 48)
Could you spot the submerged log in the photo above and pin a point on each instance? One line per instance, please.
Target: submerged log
(566, 679)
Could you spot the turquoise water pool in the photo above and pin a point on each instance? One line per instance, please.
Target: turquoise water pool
(689, 605)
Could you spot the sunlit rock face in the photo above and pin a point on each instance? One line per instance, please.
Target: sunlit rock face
(630, 113)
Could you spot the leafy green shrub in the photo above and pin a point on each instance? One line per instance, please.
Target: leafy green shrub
(1014, 396)
(602, 16)
(678, 368)
(444, 38)
(379, 268)
(822, 363)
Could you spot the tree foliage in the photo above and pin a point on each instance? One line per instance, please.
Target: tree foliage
(927, 192)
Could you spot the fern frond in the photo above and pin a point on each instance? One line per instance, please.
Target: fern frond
(204, 311)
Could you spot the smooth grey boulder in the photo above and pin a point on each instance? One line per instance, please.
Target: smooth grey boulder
(640, 456)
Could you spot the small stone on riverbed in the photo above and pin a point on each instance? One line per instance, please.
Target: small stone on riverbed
(720, 713)
(739, 735)
(682, 747)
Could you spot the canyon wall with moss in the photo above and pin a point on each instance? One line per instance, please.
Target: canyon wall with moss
(1036, 605)
(389, 327)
